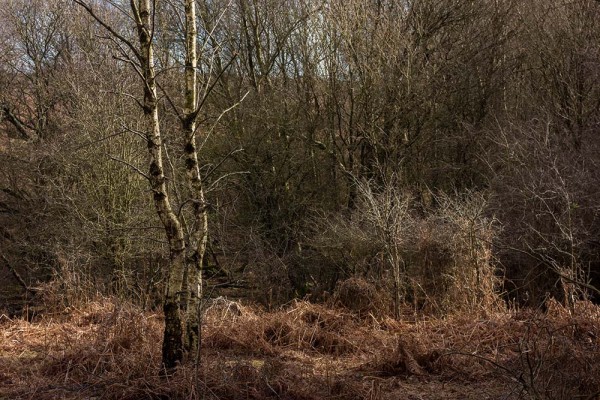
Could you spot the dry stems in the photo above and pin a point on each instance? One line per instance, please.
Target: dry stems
(110, 350)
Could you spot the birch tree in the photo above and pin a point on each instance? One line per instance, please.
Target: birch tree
(186, 240)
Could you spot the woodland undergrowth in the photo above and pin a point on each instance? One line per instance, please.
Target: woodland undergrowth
(107, 349)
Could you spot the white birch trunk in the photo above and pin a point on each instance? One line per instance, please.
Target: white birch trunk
(173, 349)
(199, 232)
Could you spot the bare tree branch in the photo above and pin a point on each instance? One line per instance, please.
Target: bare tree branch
(105, 25)
(133, 167)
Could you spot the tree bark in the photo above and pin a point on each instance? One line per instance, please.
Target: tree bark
(187, 244)
(173, 343)
(199, 232)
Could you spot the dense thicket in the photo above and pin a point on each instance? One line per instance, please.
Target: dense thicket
(442, 150)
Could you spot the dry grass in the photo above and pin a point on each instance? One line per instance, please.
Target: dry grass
(107, 350)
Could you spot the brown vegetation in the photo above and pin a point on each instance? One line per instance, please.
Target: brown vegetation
(106, 349)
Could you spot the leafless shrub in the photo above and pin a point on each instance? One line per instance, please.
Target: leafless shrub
(347, 245)
(547, 202)
(439, 260)
(466, 233)
(360, 296)
(222, 308)
(71, 284)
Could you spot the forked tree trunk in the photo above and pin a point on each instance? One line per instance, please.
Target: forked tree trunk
(187, 244)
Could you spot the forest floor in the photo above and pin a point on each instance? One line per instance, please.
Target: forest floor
(105, 349)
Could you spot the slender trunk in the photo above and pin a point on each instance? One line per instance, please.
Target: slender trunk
(173, 349)
(199, 231)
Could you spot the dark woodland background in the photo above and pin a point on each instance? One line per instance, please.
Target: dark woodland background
(447, 153)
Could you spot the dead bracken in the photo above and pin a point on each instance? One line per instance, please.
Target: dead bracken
(107, 350)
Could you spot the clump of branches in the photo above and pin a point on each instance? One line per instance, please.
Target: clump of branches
(438, 258)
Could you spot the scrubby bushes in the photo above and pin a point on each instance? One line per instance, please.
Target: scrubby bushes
(436, 258)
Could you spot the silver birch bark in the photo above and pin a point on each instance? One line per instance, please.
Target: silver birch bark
(184, 284)
(172, 349)
(198, 234)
